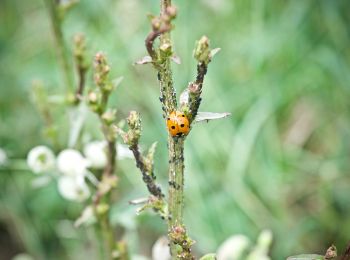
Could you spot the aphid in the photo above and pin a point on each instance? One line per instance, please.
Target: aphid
(178, 124)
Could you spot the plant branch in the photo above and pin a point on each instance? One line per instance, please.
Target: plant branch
(98, 101)
(203, 55)
(147, 176)
(161, 26)
(144, 163)
(161, 59)
(61, 49)
(81, 65)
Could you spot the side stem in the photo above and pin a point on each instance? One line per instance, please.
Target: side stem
(60, 44)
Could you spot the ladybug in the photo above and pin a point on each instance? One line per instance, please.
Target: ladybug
(178, 124)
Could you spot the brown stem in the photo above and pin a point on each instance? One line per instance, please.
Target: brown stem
(151, 37)
(81, 83)
(195, 91)
(147, 175)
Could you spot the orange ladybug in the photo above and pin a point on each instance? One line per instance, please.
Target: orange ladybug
(178, 124)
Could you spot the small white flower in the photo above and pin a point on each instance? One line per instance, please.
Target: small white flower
(95, 152)
(3, 157)
(71, 162)
(22, 256)
(41, 159)
(260, 251)
(233, 248)
(161, 250)
(265, 240)
(87, 217)
(73, 188)
(123, 152)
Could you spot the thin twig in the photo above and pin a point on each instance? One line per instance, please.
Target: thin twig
(61, 48)
(148, 177)
(80, 64)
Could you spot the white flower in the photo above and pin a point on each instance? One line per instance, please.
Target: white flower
(22, 256)
(233, 248)
(41, 159)
(265, 240)
(73, 188)
(260, 251)
(87, 217)
(3, 157)
(160, 249)
(71, 162)
(95, 152)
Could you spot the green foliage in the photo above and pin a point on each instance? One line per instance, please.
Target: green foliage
(280, 161)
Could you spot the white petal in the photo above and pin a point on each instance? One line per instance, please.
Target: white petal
(71, 162)
(3, 157)
(160, 249)
(22, 256)
(233, 248)
(87, 217)
(124, 152)
(41, 159)
(73, 188)
(95, 153)
(265, 239)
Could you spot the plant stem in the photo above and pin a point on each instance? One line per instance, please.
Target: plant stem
(108, 236)
(180, 243)
(61, 49)
(176, 182)
(175, 145)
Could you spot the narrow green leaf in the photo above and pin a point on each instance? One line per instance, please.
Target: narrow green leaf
(306, 257)
(206, 116)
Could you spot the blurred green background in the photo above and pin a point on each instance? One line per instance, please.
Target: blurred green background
(281, 161)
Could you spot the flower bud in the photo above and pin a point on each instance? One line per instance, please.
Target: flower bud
(41, 159)
(95, 153)
(70, 162)
(73, 188)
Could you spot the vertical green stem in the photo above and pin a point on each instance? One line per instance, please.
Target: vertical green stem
(176, 183)
(108, 236)
(60, 45)
(175, 144)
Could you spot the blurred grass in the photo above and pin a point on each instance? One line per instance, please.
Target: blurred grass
(281, 161)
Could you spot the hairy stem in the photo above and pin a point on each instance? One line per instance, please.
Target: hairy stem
(147, 176)
(175, 145)
(61, 48)
(176, 181)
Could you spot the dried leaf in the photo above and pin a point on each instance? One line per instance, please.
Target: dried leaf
(116, 82)
(87, 217)
(138, 201)
(176, 59)
(206, 116)
(144, 60)
(215, 51)
(184, 97)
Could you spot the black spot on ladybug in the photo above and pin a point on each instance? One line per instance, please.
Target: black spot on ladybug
(183, 115)
(172, 127)
(182, 125)
(168, 118)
